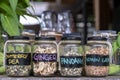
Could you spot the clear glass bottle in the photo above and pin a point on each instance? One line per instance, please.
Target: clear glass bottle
(44, 57)
(97, 58)
(70, 55)
(18, 56)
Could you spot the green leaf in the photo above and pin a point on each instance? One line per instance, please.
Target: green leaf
(80, 50)
(27, 2)
(113, 69)
(2, 70)
(20, 11)
(23, 3)
(10, 11)
(13, 4)
(10, 48)
(5, 8)
(1, 58)
(115, 46)
(20, 26)
(118, 39)
(10, 25)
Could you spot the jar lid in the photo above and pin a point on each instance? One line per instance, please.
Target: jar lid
(45, 38)
(28, 32)
(18, 38)
(71, 36)
(97, 38)
(105, 33)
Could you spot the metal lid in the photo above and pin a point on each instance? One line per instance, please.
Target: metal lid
(98, 38)
(71, 36)
(45, 38)
(18, 38)
(105, 33)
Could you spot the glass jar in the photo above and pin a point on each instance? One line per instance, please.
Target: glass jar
(70, 55)
(111, 37)
(44, 57)
(18, 56)
(115, 65)
(48, 20)
(97, 59)
(65, 22)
